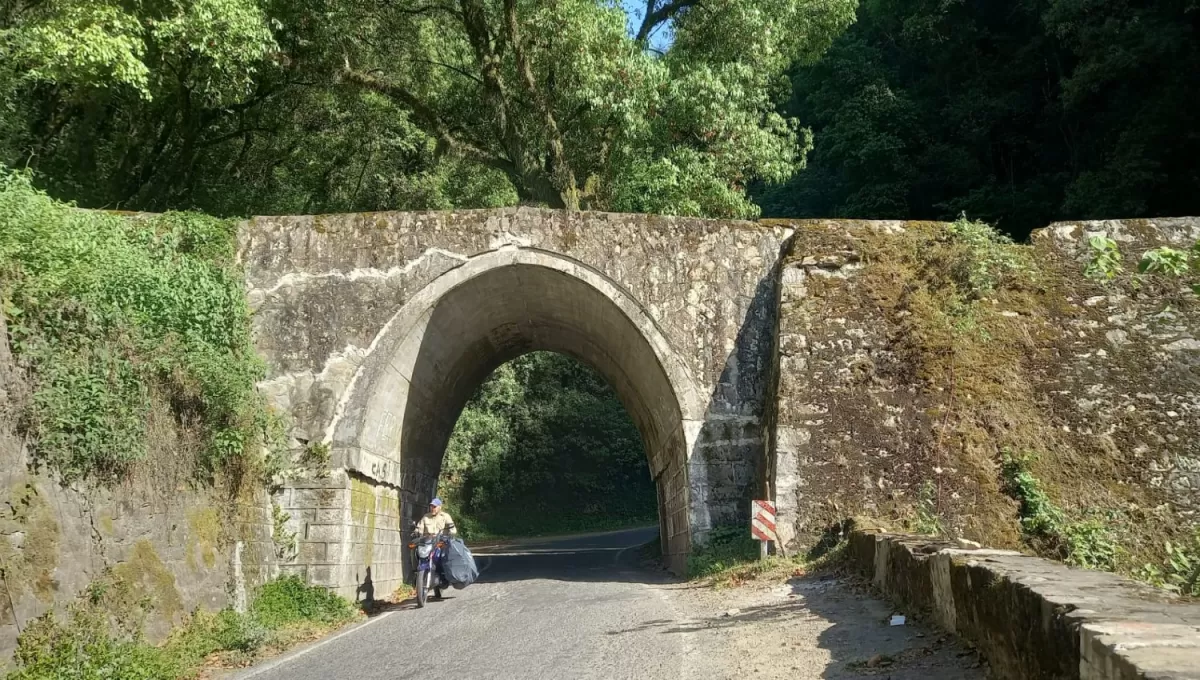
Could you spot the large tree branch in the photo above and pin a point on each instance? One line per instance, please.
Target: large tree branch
(428, 120)
(656, 16)
(487, 55)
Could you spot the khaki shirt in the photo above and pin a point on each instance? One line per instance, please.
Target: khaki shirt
(432, 524)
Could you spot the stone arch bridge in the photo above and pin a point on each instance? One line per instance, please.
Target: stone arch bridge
(756, 362)
(377, 328)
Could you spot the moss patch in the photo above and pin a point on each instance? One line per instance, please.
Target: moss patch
(29, 547)
(147, 574)
(205, 525)
(980, 328)
(363, 505)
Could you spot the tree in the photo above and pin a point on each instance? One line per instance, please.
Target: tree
(227, 106)
(577, 113)
(545, 445)
(1018, 113)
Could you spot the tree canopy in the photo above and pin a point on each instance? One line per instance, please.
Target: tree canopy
(1018, 113)
(237, 106)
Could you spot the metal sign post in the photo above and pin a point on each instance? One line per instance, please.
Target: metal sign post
(762, 525)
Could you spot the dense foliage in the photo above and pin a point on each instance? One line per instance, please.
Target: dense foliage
(116, 316)
(237, 106)
(100, 637)
(544, 446)
(1019, 113)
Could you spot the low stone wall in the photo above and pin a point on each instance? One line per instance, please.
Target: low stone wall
(1034, 618)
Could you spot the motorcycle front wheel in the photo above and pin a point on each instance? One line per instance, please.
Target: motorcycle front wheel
(423, 580)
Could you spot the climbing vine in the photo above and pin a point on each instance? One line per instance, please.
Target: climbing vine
(129, 326)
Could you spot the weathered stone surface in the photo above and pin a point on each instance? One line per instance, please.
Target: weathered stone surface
(175, 543)
(1126, 386)
(377, 328)
(1112, 374)
(1033, 618)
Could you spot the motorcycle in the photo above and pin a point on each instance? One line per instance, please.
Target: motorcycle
(427, 553)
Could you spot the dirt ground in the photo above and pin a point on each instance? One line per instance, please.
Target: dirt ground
(817, 626)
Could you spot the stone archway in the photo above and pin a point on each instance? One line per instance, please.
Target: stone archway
(395, 420)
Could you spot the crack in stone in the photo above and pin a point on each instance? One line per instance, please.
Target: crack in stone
(301, 278)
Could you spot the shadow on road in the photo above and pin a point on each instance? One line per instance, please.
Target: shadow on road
(846, 620)
(617, 556)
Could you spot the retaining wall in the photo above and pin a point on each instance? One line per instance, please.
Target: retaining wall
(1033, 618)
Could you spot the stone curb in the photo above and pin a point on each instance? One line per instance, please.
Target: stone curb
(1033, 618)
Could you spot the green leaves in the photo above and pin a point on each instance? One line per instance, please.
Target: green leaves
(87, 43)
(1105, 261)
(118, 315)
(1021, 114)
(1165, 260)
(215, 46)
(1087, 542)
(544, 445)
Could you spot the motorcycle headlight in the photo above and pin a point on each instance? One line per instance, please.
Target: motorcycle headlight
(424, 550)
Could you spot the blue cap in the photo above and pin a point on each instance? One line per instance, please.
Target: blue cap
(436, 501)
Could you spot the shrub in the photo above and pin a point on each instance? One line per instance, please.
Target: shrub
(1088, 543)
(115, 313)
(928, 520)
(288, 600)
(97, 642)
(84, 647)
(1180, 570)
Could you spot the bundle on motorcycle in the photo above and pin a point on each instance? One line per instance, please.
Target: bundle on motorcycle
(458, 564)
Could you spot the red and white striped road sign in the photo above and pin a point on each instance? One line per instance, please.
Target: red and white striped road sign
(762, 520)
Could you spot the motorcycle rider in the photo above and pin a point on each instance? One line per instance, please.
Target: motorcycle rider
(433, 523)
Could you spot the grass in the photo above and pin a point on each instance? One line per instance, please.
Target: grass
(115, 316)
(731, 558)
(100, 636)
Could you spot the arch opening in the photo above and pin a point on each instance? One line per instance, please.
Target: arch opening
(442, 345)
(545, 447)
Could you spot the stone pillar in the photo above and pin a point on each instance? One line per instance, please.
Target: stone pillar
(348, 534)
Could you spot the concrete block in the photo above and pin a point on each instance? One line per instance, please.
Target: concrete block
(325, 532)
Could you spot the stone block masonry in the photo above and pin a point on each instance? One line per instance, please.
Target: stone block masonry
(378, 327)
(1033, 618)
(349, 534)
(181, 547)
(755, 359)
(1100, 384)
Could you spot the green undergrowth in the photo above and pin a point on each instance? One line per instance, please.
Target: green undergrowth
(119, 318)
(727, 547)
(731, 558)
(1097, 539)
(1089, 542)
(100, 635)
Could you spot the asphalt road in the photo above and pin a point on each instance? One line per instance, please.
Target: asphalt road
(541, 609)
(580, 608)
